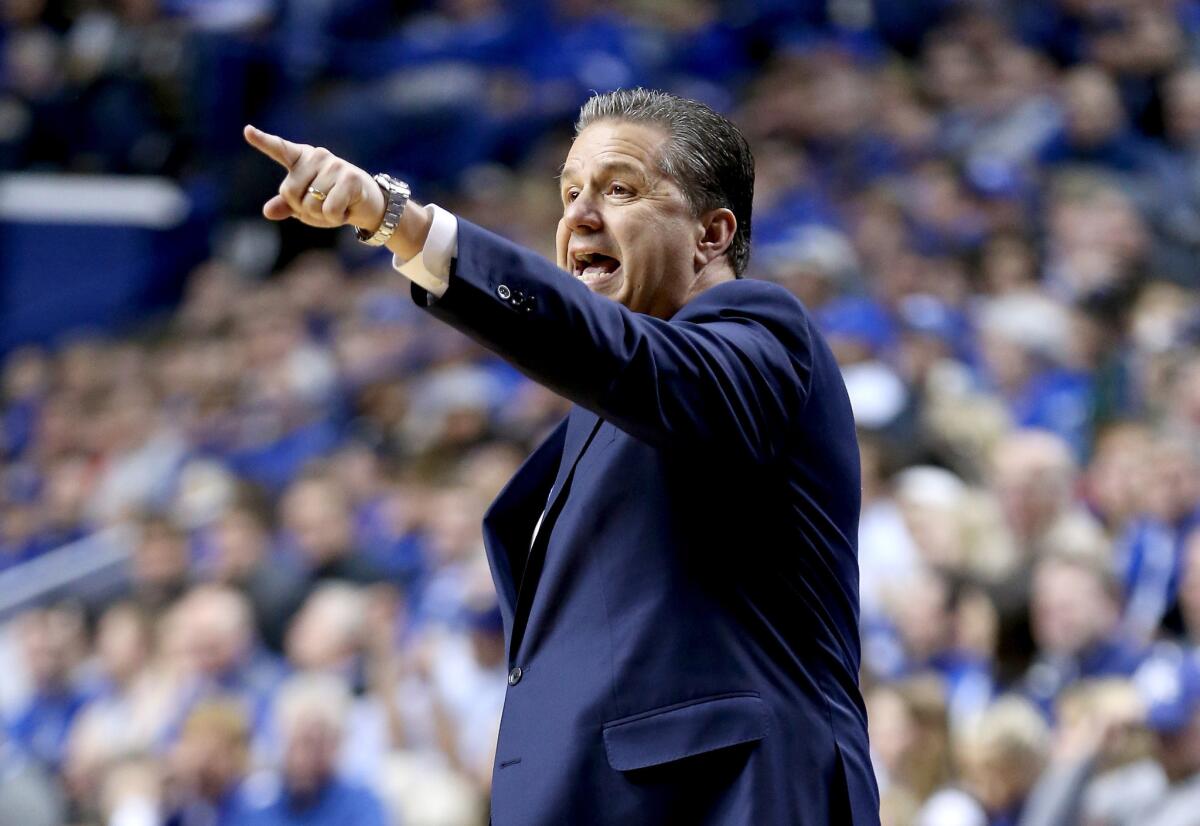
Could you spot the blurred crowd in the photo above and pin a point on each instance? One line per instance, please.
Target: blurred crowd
(991, 209)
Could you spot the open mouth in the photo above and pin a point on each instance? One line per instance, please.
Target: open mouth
(593, 268)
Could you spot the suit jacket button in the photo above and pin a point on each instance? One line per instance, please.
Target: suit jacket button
(514, 676)
(504, 292)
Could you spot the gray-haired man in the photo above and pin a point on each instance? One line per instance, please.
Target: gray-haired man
(676, 563)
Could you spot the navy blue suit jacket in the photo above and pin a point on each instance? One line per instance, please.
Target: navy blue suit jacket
(683, 633)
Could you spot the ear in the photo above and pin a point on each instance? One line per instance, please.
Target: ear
(717, 230)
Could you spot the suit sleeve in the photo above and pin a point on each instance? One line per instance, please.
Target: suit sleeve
(730, 371)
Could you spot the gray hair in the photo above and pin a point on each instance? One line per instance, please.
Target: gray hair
(706, 154)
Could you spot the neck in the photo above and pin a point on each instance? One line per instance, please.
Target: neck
(715, 273)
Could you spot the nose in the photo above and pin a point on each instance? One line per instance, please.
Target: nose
(583, 213)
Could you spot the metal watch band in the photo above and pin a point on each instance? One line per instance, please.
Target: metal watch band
(397, 193)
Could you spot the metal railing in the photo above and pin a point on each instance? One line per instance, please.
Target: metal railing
(83, 568)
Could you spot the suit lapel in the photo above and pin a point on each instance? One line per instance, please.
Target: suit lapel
(581, 426)
(581, 429)
(508, 523)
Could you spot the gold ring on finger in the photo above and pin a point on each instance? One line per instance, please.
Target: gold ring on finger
(316, 193)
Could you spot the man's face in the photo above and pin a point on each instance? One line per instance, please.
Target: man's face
(310, 756)
(627, 230)
(1070, 609)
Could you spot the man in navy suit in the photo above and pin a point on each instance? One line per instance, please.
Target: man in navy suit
(676, 563)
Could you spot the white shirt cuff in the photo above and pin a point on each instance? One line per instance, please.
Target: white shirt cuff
(430, 268)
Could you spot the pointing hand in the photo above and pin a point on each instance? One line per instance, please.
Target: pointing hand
(320, 189)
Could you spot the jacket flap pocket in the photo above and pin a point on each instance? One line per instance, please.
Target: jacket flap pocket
(684, 730)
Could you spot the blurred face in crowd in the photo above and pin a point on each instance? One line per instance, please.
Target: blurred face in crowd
(328, 630)
(67, 488)
(933, 505)
(627, 230)
(1097, 232)
(488, 469)
(310, 756)
(1002, 752)
(923, 616)
(161, 558)
(212, 293)
(272, 336)
(240, 541)
(1033, 475)
(1008, 264)
(1171, 485)
(1008, 361)
(211, 755)
(454, 515)
(26, 374)
(218, 630)
(51, 641)
(123, 642)
(317, 515)
(891, 726)
(1093, 107)
(998, 780)
(1071, 608)
(952, 73)
(840, 102)
(1115, 473)
(128, 419)
(1183, 107)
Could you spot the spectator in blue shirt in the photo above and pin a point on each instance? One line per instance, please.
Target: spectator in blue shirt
(51, 640)
(1075, 618)
(319, 524)
(1025, 347)
(223, 656)
(312, 711)
(1150, 553)
(1096, 131)
(927, 619)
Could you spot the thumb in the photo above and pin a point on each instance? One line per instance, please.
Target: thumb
(277, 209)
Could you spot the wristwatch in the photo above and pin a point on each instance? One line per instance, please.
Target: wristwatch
(397, 193)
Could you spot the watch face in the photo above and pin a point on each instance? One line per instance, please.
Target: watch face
(391, 184)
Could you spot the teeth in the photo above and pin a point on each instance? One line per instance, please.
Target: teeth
(588, 267)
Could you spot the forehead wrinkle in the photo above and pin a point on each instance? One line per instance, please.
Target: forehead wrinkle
(603, 165)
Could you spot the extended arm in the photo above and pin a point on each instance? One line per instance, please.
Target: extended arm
(728, 371)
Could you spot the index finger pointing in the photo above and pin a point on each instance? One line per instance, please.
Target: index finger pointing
(283, 152)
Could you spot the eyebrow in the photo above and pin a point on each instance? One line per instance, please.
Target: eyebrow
(609, 167)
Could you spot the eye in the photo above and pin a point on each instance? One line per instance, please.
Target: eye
(571, 194)
(618, 189)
